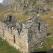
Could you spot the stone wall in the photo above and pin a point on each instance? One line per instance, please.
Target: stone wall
(13, 38)
(37, 33)
(33, 33)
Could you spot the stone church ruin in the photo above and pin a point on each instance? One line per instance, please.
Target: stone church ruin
(24, 36)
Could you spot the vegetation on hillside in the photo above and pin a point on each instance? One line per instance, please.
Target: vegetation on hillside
(6, 48)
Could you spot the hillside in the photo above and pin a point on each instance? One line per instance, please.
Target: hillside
(25, 9)
(6, 48)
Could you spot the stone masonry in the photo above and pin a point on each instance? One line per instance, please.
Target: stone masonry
(24, 36)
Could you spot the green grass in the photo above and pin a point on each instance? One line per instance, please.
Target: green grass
(5, 48)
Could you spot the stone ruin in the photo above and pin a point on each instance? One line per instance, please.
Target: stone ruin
(10, 21)
(34, 30)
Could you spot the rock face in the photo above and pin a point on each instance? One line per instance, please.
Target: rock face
(30, 35)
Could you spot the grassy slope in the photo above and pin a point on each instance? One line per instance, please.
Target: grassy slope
(18, 14)
(5, 48)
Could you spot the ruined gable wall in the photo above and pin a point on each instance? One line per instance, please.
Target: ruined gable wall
(21, 41)
(37, 36)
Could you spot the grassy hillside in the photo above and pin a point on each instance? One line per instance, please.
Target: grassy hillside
(5, 48)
